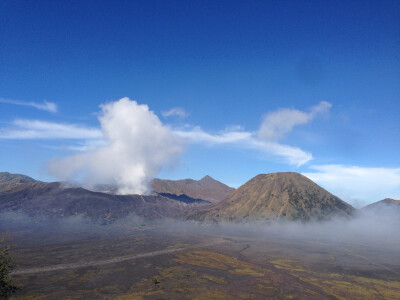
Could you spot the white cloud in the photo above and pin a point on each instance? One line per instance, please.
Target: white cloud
(138, 146)
(274, 126)
(278, 123)
(246, 140)
(197, 135)
(292, 155)
(176, 111)
(35, 129)
(357, 185)
(46, 106)
(133, 144)
(84, 146)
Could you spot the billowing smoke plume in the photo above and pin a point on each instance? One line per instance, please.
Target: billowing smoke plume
(137, 146)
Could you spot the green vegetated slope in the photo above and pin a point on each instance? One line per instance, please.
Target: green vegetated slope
(10, 181)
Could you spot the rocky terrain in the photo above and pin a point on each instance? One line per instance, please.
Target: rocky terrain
(32, 197)
(266, 197)
(119, 258)
(206, 188)
(275, 196)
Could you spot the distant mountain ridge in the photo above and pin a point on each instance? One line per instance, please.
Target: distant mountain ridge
(206, 188)
(387, 201)
(265, 197)
(385, 205)
(32, 197)
(9, 181)
(274, 196)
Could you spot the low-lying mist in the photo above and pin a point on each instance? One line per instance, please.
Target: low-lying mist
(373, 229)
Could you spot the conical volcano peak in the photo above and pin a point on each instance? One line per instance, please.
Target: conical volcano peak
(207, 178)
(286, 195)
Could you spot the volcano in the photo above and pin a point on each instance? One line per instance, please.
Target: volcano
(285, 195)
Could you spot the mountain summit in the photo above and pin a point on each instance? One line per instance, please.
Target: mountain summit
(386, 201)
(9, 181)
(385, 206)
(206, 188)
(278, 195)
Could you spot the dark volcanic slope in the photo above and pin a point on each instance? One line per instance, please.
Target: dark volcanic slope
(278, 195)
(51, 199)
(206, 188)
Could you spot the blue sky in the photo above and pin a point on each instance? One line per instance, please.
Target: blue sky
(230, 66)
